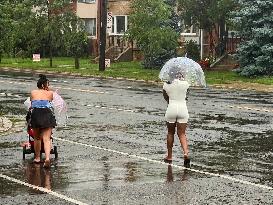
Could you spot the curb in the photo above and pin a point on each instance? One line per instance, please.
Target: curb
(265, 88)
(69, 74)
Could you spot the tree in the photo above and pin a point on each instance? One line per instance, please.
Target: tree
(75, 37)
(205, 13)
(255, 23)
(150, 27)
(192, 50)
(175, 19)
(50, 14)
(208, 15)
(24, 27)
(5, 28)
(35, 26)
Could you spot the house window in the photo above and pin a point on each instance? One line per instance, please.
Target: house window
(189, 30)
(90, 26)
(119, 24)
(87, 1)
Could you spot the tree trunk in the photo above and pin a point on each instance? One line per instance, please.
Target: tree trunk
(49, 35)
(14, 52)
(50, 55)
(222, 36)
(77, 62)
(43, 51)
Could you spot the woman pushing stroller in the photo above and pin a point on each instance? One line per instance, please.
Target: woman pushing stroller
(42, 119)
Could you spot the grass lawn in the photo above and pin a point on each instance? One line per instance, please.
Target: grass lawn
(123, 69)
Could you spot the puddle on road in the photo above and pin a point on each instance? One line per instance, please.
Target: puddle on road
(227, 119)
(95, 127)
(76, 117)
(12, 110)
(157, 112)
(9, 145)
(13, 103)
(259, 144)
(34, 174)
(131, 171)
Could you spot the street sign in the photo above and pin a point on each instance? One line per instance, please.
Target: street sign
(109, 22)
(107, 63)
(36, 57)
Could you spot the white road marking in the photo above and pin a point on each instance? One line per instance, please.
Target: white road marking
(81, 90)
(61, 196)
(101, 92)
(252, 108)
(111, 108)
(173, 165)
(59, 81)
(62, 88)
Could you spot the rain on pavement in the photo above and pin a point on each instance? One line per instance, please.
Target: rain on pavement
(111, 150)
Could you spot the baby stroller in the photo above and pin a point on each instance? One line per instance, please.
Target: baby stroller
(28, 147)
(60, 109)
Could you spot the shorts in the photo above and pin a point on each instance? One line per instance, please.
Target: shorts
(177, 113)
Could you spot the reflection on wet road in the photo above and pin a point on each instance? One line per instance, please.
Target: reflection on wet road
(119, 133)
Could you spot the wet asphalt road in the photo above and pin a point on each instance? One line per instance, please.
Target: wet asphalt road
(121, 128)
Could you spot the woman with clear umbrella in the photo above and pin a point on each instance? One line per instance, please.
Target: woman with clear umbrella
(176, 115)
(179, 74)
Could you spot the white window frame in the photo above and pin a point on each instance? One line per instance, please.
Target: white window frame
(84, 1)
(95, 24)
(191, 33)
(115, 25)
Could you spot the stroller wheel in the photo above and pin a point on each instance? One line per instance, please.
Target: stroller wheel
(55, 152)
(24, 152)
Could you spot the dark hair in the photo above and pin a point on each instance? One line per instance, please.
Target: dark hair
(42, 81)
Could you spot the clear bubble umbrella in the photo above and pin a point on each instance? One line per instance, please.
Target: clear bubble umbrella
(183, 67)
(60, 108)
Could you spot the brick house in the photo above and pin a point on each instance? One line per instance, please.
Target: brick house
(87, 10)
(117, 48)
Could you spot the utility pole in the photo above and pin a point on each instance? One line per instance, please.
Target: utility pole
(103, 23)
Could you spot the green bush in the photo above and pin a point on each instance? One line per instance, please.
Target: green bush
(192, 50)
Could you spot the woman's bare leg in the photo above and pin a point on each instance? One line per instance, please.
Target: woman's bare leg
(46, 133)
(37, 144)
(170, 139)
(181, 131)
